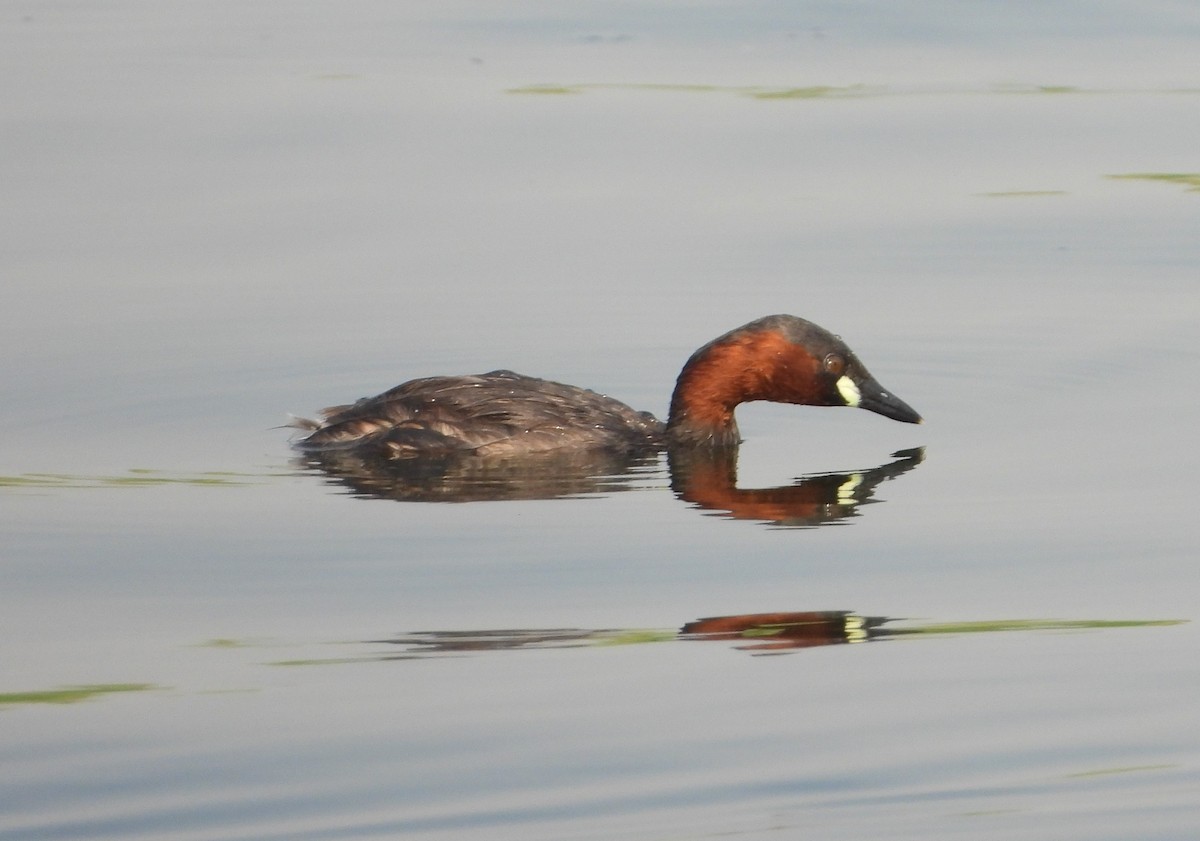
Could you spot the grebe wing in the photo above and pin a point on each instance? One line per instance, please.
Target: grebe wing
(497, 413)
(414, 415)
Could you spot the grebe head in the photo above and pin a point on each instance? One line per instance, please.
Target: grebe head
(779, 358)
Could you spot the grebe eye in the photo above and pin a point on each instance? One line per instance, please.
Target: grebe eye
(835, 365)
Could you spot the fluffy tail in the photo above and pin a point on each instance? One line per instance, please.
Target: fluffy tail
(302, 423)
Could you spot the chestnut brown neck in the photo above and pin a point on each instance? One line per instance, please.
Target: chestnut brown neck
(737, 368)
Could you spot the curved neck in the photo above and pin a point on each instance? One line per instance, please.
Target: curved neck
(719, 376)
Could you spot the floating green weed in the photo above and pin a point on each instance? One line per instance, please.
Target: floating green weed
(1190, 180)
(636, 637)
(134, 478)
(224, 642)
(809, 92)
(72, 694)
(991, 626)
(327, 661)
(833, 91)
(1128, 769)
(547, 89)
(1035, 90)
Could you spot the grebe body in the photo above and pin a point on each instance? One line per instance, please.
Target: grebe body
(779, 358)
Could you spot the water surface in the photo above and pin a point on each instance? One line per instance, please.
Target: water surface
(215, 216)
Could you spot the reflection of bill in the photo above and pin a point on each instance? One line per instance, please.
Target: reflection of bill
(776, 631)
(707, 479)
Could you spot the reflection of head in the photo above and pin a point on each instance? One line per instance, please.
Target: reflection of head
(709, 480)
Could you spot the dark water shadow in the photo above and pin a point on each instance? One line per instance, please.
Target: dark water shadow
(482, 479)
(707, 480)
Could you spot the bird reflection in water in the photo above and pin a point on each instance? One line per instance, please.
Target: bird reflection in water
(705, 478)
(708, 480)
(756, 633)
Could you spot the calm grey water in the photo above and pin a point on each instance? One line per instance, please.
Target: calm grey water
(214, 215)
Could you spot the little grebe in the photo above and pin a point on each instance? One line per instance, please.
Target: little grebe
(779, 358)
